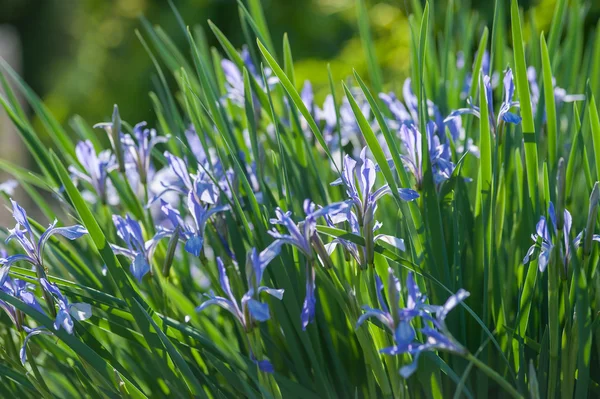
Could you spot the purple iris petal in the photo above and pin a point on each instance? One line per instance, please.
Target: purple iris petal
(30, 333)
(258, 310)
(139, 251)
(308, 307)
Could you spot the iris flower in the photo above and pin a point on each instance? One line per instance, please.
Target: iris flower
(364, 199)
(398, 321)
(234, 79)
(139, 148)
(304, 236)
(138, 250)
(504, 114)
(96, 168)
(66, 311)
(544, 239)
(201, 204)
(34, 248)
(249, 310)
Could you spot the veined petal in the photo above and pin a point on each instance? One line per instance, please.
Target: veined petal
(139, 267)
(21, 217)
(409, 369)
(64, 320)
(529, 254)
(277, 293)
(384, 317)
(224, 282)
(194, 245)
(71, 233)
(393, 241)
(451, 303)
(8, 262)
(179, 167)
(367, 173)
(80, 311)
(30, 333)
(123, 251)
(258, 310)
(223, 303)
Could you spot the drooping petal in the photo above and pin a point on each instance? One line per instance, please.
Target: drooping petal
(223, 303)
(194, 245)
(139, 267)
(529, 254)
(51, 288)
(511, 118)
(277, 293)
(393, 241)
(71, 233)
(451, 303)
(383, 317)
(308, 307)
(80, 311)
(404, 334)
(408, 194)
(544, 258)
(20, 216)
(64, 320)
(8, 262)
(30, 333)
(258, 310)
(409, 369)
(264, 365)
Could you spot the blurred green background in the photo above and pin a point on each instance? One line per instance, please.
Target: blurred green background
(82, 56)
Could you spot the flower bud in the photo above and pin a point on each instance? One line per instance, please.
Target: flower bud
(319, 247)
(560, 194)
(171, 251)
(591, 222)
(115, 138)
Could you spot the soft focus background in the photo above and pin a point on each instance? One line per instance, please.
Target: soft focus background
(82, 56)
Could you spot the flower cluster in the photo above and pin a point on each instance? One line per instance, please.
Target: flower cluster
(399, 321)
(58, 305)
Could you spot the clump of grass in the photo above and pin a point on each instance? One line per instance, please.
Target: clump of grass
(247, 194)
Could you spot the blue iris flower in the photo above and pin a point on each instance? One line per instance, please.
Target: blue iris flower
(250, 309)
(67, 312)
(399, 321)
(201, 205)
(504, 114)
(303, 236)
(34, 248)
(96, 168)
(359, 182)
(137, 249)
(139, 147)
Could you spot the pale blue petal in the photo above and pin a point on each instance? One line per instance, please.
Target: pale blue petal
(258, 310)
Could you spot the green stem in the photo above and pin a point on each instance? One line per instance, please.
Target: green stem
(266, 380)
(553, 317)
(494, 376)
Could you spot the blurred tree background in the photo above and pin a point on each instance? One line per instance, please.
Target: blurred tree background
(82, 56)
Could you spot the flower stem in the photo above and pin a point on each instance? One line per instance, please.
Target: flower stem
(494, 376)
